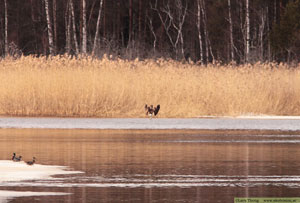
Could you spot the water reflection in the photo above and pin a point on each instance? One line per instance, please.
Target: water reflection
(161, 166)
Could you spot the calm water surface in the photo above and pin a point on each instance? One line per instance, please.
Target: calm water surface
(158, 166)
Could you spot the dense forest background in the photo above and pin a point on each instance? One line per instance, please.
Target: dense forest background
(202, 31)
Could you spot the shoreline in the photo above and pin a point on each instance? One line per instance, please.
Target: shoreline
(201, 124)
(24, 131)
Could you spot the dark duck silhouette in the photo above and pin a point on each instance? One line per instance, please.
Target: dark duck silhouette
(31, 162)
(150, 110)
(15, 158)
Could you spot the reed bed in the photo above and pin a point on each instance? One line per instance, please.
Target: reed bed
(84, 87)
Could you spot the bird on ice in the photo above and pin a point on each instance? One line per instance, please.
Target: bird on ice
(31, 162)
(15, 158)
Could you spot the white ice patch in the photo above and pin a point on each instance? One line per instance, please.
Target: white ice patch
(16, 172)
(20, 171)
(210, 123)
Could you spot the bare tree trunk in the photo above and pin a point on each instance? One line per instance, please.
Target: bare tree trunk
(145, 25)
(91, 14)
(181, 20)
(268, 31)
(140, 19)
(130, 22)
(74, 27)
(119, 32)
(275, 12)
(205, 33)
(97, 28)
(199, 30)
(6, 29)
(33, 21)
(55, 25)
(208, 48)
(247, 31)
(84, 31)
(261, 33)
(153, 32)
(68, 28)
(104, 19)
(230, 31)
(49, 25)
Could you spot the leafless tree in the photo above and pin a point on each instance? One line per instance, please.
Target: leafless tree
(54, 25)
(261, 33)
(269, 42)
(130, 22)
(49, 26)
(140, 18)
(199, 30)
(84, 30)
(208, 48)
(151, 27)
(97, 27)
(6, 28)
(173, 20)
(74, 27)
(230, 31)
(68, 28)
(176, 28)
(247, 43)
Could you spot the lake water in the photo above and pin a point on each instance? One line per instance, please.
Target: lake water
(155, 165)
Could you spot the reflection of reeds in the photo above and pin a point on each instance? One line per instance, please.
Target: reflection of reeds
(86, 87)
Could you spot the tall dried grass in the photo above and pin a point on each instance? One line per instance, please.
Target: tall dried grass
(85, 87)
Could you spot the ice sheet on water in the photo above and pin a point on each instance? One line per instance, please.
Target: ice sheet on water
(14, 172)
(171, 180)
(235, 123)
(20, 171)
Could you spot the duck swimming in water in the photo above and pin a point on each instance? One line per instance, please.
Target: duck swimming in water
(150, 110)
(31, 162)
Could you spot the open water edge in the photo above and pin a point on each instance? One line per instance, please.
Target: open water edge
(157, 165)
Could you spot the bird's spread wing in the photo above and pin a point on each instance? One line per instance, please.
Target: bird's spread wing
(156, 110)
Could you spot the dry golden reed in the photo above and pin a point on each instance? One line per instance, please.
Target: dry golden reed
(86, 87)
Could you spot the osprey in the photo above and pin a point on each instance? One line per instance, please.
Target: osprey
(150, 110)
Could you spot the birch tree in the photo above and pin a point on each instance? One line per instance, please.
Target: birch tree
(208, 48)
(199, 30)
(54, 25)
(97, 27)
(49, 26)
(74, 26)
(247, 45)
(230, 31)
(261, 33)
(6, 28)
(68, 28)
(84, 31)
